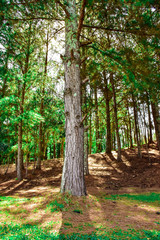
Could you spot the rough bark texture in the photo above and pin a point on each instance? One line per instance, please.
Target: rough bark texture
(73, 169)
(116, 119)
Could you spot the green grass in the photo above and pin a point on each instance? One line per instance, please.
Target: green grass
(7, 201)
(147, 198)
(33, 232)
(55, 206)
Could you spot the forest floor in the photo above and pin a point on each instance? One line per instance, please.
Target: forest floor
(122, 202)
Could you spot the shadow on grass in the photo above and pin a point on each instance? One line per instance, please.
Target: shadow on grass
(29, 232)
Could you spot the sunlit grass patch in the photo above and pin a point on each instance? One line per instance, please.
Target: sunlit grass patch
(147, 198)
(7, 201)
(33, 232)
(55, 206)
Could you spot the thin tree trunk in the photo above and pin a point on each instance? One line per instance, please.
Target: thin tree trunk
(19, 159)
(149, 120)
(115, 116)
(136, 127)
(130, 128)
(41, 145)
(156, 118)
(96, 120)
(86, 168)
(90, 132)
(107, 100)
(62, 148)
(73, 169)
(20, 151)
(5, 73)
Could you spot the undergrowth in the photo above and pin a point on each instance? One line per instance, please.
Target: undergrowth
(147, 198)
(33, 232)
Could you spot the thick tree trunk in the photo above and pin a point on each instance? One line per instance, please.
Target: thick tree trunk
(73, 169)
(137, 134)
(116, 119)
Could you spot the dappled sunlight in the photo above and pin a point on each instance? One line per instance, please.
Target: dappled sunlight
(149, 208)
(125, 161)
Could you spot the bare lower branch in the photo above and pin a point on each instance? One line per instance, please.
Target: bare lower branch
(32, 18)
(63, 7)
(137, 32)
(82, 15)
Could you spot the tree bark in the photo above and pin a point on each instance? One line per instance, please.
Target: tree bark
(41, 149)
(116, 119)
(19, 159)
(130, 128)
(73, 169)
(150, 123)
(137, 134)
(96, 120)
(156, 118)
(20, 151)
(107, 100)
(90, 132)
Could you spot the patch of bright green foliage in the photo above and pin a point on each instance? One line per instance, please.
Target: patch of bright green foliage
(33, 232)
(150, 198)
(7, 201)
(55, 206)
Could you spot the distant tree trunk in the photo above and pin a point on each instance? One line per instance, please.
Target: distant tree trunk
(5, 73)
(41, 145)
(90, 132)
(96, 120)
(130, 128)
(107, 100)
(136, 127)
(85, 111)
(19, 159)
(20, 152)
(149, 120)
(62, 148)
(156, 118)
(115, 116)
(54, 149)
(86, 168)
(73, 168)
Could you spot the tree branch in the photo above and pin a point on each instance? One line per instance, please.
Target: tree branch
(32, 18)
(63, 7)
(137, 32)
(82, 15)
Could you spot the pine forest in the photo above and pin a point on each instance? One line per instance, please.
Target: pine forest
(79, 119)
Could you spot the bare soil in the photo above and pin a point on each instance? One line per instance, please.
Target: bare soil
(107, 176)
